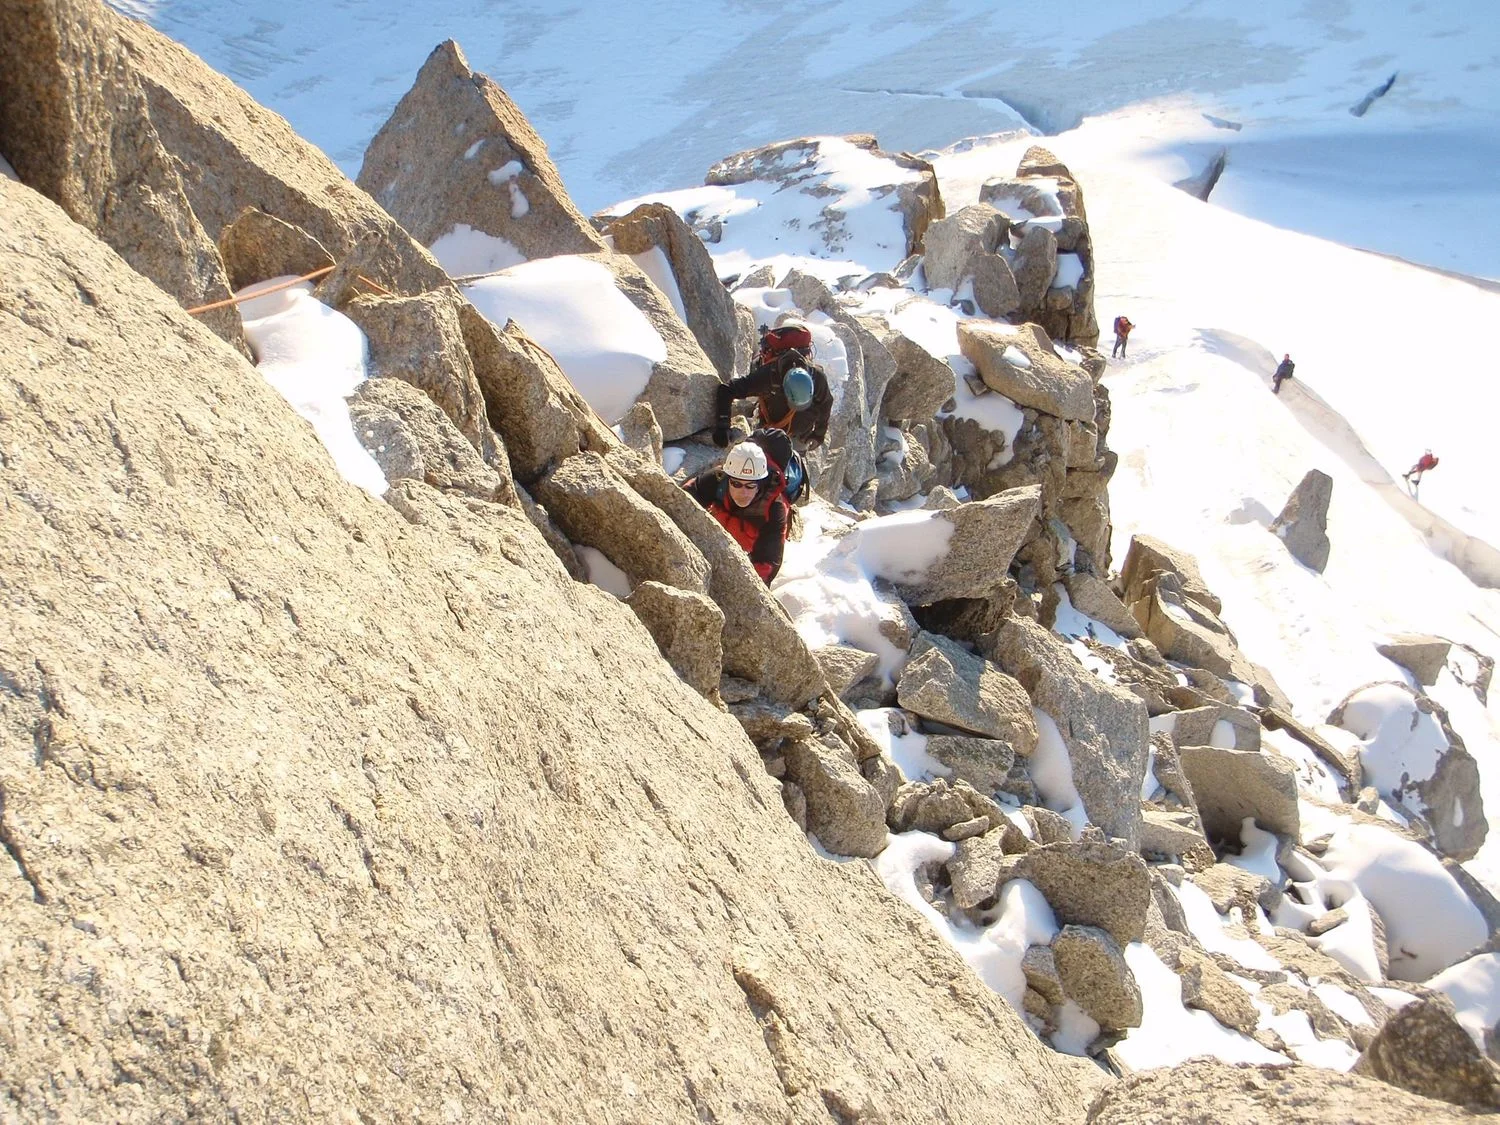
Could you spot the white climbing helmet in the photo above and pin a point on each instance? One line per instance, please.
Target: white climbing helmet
(746, 461)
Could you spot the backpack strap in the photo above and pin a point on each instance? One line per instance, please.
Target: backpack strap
(767, 422)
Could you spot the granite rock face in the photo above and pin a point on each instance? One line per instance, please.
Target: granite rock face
(76, 125)
(1210, 1092)
(300, 735)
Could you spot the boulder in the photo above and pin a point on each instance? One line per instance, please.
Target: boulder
(596, 507)
(910, 186)
(411, 439)
(1303, 523)
(1348, 770)
(953, 243)
(76, 125)
(1090, 884)
(1092, 597)
(257, 247)
(655, 236)
(936, 807)
(945, 682)
(1208, 988)
(1230, 785)
(1229, 887)
(1105, 728)
(639, 431)
(1206, 1091)
(681, 387)
(461, 168)
(1184, 630)
(529, 401)
(1146, 558)
(687, 627)
(1040, 966)
(1200, 726)
(1424, 1049)
(1019, 362)
(845, 666)
(1166, 833)
(1047, 826)
(420, 340)
(1421, 655)
(901, 466)
(1094, 974)
(922, 382)
(984, 763)
(982, 536)
(844, 811)
(1417, 761)
(995, 290)
(1034, 266)
(976, 869)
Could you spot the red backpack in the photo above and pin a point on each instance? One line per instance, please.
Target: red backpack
(776, 342)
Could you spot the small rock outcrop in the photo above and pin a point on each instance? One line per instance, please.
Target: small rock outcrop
(461, 168)
(1416, 760)
(1044, 205)
(1422, 655)
(1303, 523)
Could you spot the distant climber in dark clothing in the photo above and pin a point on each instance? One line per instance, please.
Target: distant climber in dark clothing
(791, 394)
(1283, 373)
(742, 497)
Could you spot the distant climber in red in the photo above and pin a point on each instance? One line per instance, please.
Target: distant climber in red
(1413, 475)
(1122, 335)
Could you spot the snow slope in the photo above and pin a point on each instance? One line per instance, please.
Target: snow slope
(631, 102)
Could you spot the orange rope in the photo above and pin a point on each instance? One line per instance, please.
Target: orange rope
(381, 289)
(262, 292)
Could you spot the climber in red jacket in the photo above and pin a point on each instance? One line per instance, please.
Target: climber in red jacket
(742, 496)
(1413, 475)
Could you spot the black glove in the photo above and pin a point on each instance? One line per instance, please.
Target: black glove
(721, 435)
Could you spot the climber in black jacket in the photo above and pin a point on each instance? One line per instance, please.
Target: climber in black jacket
(791, 394)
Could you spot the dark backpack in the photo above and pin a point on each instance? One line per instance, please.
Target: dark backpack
(777, 342)
(785, 463)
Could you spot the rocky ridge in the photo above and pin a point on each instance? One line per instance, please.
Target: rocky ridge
(455, 765)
